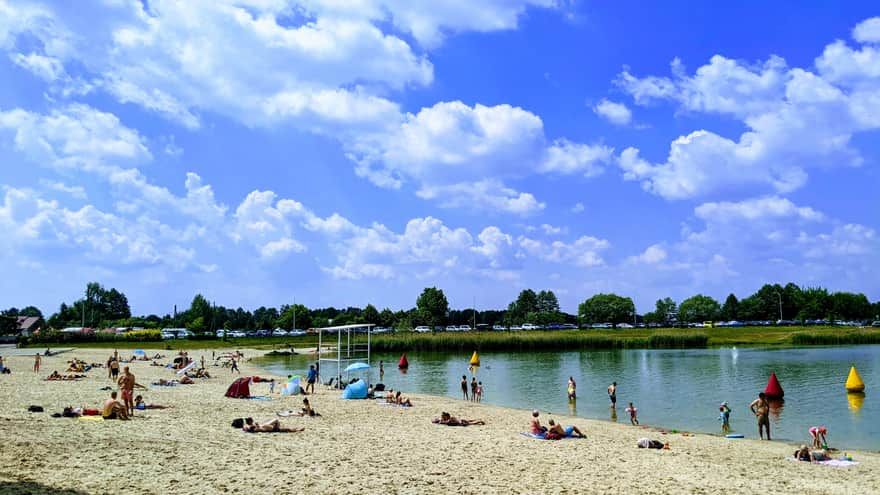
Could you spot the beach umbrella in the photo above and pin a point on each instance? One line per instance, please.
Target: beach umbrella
(139, 351)
(357, 367)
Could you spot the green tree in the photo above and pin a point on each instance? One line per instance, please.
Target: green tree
(730, 308)
(698, 308)
(386, 318)
(432, 306)
(303, 317)
(370, 314)
(849, 306)
(197, 326)
(114, 305)
(815, 304)
(607, 308)
(665, 312)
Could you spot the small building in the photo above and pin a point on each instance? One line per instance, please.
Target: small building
(27, 325)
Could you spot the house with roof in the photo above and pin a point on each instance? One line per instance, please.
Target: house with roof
(27, 325)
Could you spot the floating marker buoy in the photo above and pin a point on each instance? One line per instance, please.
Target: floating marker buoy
(475, 359)
(403, 363)
(854, 382)
(774, 389)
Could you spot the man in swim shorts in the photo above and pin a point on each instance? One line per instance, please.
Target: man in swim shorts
(761, 409)
(113, 409)
(464, 387)
(612, 394)
(567, 432)
(126, 383)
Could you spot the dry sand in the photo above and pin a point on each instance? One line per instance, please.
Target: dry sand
(359, 447)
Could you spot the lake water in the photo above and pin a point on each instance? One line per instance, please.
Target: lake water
(679, 389)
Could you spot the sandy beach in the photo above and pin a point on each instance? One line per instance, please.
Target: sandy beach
(358, 446)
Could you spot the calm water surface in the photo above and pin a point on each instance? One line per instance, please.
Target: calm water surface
(671, 388)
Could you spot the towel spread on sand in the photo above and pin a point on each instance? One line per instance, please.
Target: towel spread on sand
(838, 463)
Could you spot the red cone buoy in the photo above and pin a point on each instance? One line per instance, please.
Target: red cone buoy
(774, 389)
(403, 363)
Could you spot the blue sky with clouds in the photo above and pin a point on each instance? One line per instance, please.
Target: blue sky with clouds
(343, 153)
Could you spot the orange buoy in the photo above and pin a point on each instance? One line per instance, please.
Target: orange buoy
(475, 359)
(774, 389)
(403, 363)
(854, 382)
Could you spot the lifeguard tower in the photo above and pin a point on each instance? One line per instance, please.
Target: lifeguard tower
(343, 347)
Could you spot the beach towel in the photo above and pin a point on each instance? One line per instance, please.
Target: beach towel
(91, 418)
(260, 398)
(532, 435)
(838, 463)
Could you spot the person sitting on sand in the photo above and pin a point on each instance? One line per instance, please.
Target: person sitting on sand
(805, 454)
(54, 376)
(450, 420)
(535, 424)
(402, 400)
(113, 409)
(185, 380)
(273, 426)
(567, 432)
(139, 404)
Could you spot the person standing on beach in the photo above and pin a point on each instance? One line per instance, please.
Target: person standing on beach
(479, 392)
(234, 367)
(381, 371)
(464, 386)
(761, 409)
(310, 379)
(114, 368)
(37, 362)
(474, 389)
(572, 388)
(612, 394)
(126, 383)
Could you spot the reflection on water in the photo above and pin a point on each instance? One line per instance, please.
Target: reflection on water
(614, 414)
(572, 407)
(673, 388)
(776, 406)
(855, 400)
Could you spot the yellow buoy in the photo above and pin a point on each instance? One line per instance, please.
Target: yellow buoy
(475, 359)
(854, 382)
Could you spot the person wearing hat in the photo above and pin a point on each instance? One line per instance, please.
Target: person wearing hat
(724, 417)
(816, 432)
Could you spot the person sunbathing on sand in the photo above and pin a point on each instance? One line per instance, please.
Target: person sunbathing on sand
(567, 432)
(54, 376)
(401, 400)
(450, 420)
(139, 404)
(805, 454)
(535, 424)
(273, 426)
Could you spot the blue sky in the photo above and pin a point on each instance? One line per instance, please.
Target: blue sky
(345, 153)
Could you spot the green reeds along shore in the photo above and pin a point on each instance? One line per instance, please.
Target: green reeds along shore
(527, 341)
(827, 337)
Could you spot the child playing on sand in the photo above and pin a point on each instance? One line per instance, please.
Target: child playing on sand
(724, 417)
(632, 414)
(816, 432)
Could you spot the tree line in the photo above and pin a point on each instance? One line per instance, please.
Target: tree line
(102, 308)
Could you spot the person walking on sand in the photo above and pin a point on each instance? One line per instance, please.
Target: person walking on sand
(761, 409)
(612, 394)
(310, 379)
(234, 367)
(464, 386)
(572, 388)
(632, 414)
(37, 362)
(126, 383)
(474, 389)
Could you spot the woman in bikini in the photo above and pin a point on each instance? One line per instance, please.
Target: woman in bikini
(273, 426)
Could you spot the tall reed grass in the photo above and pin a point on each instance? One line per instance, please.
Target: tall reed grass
(528, 341)
(836, 337)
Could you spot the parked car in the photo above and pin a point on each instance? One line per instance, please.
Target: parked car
(422, 329)
(381, 330)
(464, 328)
(184, 334)
(498, 327)
(235, 334)
(279, 332)
(568, 326)
(529, 326)
(451, 328)
(296, 332)
(264, 333)
(625, 325)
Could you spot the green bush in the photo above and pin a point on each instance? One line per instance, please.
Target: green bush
(54, 337)
(837, 337)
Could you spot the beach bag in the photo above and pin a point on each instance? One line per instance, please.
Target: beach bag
(35, 408)
(238, 423)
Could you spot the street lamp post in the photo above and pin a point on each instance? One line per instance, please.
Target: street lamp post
(780, 305)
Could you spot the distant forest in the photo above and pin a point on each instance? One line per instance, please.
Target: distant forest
(103, 308)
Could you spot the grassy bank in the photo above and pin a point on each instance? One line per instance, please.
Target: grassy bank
(543, 340)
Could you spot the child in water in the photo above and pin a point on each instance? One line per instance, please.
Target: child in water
(724, 417)
(479, 392)
(632, 414)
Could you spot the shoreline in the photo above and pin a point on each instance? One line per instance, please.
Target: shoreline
(360, 446)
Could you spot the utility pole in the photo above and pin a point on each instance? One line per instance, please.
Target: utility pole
(294, 313)
(84, 308)
(475, 313)
(780, 305)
